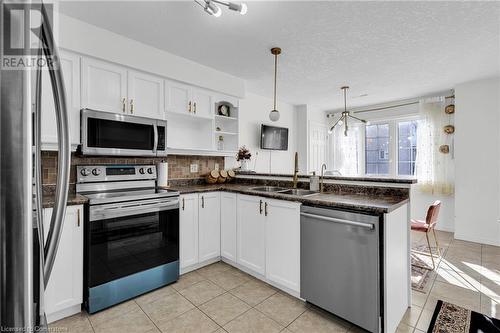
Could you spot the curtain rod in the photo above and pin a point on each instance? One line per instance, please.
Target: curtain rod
(395, 106)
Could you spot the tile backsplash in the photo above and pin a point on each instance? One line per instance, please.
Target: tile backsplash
(178, 166)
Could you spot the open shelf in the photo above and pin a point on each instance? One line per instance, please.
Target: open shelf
(225, 118)
(225, 133)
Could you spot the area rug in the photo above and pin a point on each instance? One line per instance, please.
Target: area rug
(421, 267)
(450, 318)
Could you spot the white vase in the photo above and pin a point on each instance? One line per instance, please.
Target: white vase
(245, 165)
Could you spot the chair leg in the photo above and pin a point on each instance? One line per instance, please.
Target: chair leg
(437, 244)
(430, 250)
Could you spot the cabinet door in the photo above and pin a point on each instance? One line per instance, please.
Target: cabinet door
(104, 86)
(188, 220)
(66, 280)
(209, 225)
(283, 243)
(228, 225)
(178, 98)
(70, 64)
(251, 233)
(202, 103)
(145, 95)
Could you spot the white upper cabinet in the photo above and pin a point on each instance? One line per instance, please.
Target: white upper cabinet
(70, 64)
(104, 86)
(228, 218)
(202, 103)
(283, 243)
(65, 287)
(145, 95)
(188, 226)
(187, 100)
(251, 233)
(178, 97)
(209, 225)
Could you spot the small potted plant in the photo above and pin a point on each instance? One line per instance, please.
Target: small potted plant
(243, 157)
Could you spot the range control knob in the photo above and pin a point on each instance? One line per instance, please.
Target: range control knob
(150, 171)
(85, 172)
(141, 171)
(96, 172)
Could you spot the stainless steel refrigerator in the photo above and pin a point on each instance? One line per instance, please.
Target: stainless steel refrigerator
(26, 258)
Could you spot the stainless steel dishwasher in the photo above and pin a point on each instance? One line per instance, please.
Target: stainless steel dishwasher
(339, 255)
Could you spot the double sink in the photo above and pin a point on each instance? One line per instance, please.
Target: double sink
(283, 190)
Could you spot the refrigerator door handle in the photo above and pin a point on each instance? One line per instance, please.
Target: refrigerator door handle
(64, 158)
(37, 159)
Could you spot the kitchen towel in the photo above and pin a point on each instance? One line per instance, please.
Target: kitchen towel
(162, 168)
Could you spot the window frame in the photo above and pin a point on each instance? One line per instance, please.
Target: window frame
(393, 144)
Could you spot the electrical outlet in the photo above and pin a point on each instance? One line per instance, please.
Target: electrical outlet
(194, 168)
(216, 166)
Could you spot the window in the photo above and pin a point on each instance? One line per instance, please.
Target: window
(407, 147)
(391, 147)
(377, 149)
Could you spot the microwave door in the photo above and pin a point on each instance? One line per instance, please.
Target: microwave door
(105, 133)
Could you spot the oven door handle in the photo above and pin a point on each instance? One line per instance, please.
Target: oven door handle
(132, 209)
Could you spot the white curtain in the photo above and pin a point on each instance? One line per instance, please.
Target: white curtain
(434, 169)
(347, 149)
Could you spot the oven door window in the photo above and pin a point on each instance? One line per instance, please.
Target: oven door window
(104, 133)
(127, 245)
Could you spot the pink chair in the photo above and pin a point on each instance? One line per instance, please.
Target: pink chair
(427, 226)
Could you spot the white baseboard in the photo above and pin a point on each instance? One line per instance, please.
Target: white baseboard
(52, 317)
(475, 239)
(199, 265)
(289, 291)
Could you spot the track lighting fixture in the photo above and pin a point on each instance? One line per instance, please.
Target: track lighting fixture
(211, 8)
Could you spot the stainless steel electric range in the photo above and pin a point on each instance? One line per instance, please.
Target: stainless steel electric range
(131, 233)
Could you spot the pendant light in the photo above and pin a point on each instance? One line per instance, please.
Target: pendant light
(345, 115)
(274, 115)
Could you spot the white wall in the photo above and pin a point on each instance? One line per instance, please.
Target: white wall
(87, 39)
(254, 111)
(477, 157)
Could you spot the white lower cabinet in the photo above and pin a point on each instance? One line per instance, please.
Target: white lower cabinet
(209, 225)
(251, 234)
(199, 228)
(188, 229)
(283, 243)
(64, 292)
(228, 216)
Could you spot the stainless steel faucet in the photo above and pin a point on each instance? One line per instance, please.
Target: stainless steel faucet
(323, 168)
(296, 171)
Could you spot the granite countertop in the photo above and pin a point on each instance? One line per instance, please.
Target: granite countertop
(377, 179)
(373, 204)
(73, 199)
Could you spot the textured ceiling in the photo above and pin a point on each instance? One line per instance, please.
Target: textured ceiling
(387, 50)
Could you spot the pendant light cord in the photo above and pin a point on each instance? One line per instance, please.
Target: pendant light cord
(275, 77)
(345, 99)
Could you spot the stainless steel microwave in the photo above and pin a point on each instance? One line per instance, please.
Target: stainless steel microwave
(106, 133)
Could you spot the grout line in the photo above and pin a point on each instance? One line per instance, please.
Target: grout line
(154, 323)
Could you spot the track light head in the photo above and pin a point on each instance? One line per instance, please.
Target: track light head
(238, 7)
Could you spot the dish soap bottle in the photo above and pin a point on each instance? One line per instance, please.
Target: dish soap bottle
(314, 182)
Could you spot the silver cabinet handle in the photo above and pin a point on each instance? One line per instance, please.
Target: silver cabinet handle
(124, 105)
(194, 107)
(132, 106)
(202, 201)
(64, 146)
(336, 220)
(78, 218)
(265, 209)
(189, 107)
(183, 203)
(260, 207)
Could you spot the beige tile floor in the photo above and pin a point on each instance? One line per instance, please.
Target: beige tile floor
(219, 298)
